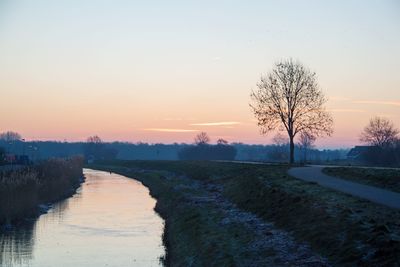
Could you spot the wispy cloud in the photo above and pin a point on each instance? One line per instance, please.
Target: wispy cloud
(347, 110)
(220, 123)
(374, 102)
(339, 98)
(377, 102)
(168, 130)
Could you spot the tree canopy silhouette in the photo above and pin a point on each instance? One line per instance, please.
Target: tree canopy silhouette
(222, 141)
(379, 132)
(289, 98)
(10, 136)
(202, 138)
(95, 139)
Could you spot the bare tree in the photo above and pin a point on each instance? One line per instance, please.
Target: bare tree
(306, 142)
(10, 136)
(289, 98)
(202, 139)
(379, 132)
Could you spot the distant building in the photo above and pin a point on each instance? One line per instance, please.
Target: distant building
(356, 153)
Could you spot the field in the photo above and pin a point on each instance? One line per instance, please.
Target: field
(229, 214)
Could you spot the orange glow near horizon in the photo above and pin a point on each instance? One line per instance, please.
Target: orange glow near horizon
(162, 73)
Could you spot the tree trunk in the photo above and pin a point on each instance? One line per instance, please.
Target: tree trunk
(291, 149)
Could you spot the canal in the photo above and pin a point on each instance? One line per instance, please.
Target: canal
(110, 221)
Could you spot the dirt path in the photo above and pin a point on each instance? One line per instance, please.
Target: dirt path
(374, 194)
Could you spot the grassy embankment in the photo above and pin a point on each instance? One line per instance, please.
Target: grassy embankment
(347, 230)
(384, 178)
(21, 191)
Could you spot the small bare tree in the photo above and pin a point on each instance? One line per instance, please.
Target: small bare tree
(202, 139)
(306, 142)
(289, 97)
(379, 132)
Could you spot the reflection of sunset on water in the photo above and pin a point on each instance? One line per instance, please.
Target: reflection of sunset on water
(110, 220)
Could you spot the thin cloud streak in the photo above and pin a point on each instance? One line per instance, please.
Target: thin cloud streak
(221, 123)
(347, 110)
(167, 130)
(339, 98)
(389, 103)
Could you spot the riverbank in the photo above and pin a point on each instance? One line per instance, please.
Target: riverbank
(237, 214)
(27, 192)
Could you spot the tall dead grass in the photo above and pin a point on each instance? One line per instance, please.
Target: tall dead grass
(21, 191)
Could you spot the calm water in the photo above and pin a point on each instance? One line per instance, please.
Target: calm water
(109, 222)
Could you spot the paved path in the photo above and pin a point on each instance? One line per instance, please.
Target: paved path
(374, 194)
(355, 166)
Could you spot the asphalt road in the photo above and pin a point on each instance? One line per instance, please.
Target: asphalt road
(374, 194)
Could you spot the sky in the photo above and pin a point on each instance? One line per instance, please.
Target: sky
(161, 71)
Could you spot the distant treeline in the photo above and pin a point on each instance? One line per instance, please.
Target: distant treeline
(280, 153)
(144, 151)
(22, 190)
(207, 152)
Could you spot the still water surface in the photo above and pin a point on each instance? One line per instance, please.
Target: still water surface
(109, 222)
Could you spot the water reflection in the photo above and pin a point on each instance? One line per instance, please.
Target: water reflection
(109, 222)
(16, 246)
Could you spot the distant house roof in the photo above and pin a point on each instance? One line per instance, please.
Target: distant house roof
(357, 151)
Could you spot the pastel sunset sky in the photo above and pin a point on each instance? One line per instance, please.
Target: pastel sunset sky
(160, 71)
